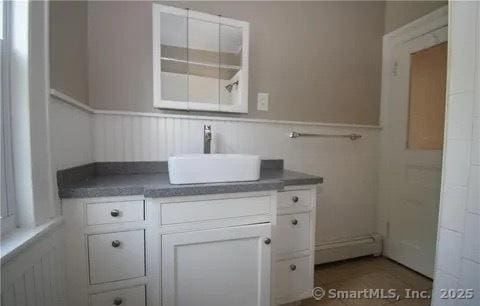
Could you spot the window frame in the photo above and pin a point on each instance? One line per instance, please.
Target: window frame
(8, 201)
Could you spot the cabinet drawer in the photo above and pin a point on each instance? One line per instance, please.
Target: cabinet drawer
(295, 199)
(126, 297)
(293, 232)
(293, 279)
(116, 256)
(114, 212)
(214, 209)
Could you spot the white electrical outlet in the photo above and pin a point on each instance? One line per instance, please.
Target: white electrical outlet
(262, 101)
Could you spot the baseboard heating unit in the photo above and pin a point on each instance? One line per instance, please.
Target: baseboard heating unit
(349, 248)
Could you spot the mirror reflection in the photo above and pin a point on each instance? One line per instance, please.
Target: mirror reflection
(230, 63)
(174, 61)
(203, 59)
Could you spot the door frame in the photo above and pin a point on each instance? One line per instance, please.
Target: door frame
(424, 25)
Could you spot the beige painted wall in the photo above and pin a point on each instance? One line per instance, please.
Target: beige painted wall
(68, 48)
(320, 61)
(399, 13)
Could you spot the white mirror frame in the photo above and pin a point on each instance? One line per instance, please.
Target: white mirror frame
(241, 107)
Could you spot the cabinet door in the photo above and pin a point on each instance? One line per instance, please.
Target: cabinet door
(218, 267)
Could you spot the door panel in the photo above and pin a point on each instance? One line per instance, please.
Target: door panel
(228, 266)
(411, 169)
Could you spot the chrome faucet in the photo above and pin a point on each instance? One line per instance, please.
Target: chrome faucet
(207, 139)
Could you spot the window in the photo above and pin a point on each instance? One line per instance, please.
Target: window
(428, 76)
(7, 188)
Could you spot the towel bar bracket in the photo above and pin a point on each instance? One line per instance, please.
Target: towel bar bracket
(352, 136)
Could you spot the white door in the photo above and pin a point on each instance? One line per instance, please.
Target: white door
(218, 267)
(411, 157)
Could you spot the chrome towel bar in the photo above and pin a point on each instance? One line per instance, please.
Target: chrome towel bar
(352, 136)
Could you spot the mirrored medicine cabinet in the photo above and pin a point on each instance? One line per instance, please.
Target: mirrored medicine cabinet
(200, 61)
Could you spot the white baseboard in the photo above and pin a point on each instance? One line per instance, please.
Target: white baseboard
(346, 249)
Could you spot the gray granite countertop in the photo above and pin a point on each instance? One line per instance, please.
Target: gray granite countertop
(96, 182)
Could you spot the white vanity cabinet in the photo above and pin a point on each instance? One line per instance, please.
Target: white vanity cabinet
(216, 249)
(195, 250)
(245, 249)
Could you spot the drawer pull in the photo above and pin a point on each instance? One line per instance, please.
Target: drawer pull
(293, 267)
(117, 301)
(294, 221)
(115, 213)
(295, 199)
(116, 244)
(268, 241)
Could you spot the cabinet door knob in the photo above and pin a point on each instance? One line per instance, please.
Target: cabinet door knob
(116, 244)
(294, 221)
(268, 241)
(117, 301)
(115, 213)
(295, 199)
(293, 267)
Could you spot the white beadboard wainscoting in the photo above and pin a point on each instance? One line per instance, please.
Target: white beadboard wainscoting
(35, 275)
(71, 135)
(71, 138)
(346, 200)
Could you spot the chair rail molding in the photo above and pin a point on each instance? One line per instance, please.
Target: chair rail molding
(72, 101)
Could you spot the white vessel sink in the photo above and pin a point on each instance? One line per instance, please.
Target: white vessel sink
(213, 168)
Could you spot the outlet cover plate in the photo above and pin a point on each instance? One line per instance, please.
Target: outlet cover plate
(262, 101)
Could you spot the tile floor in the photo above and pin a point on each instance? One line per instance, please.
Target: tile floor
(369, 273)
